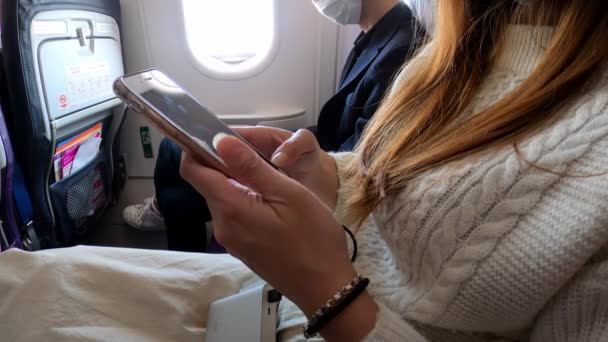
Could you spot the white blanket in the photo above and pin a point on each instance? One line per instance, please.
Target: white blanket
(106, 294)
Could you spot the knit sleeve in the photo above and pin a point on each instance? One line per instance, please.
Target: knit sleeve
(391, 327)
(579, 312)
(342, 161)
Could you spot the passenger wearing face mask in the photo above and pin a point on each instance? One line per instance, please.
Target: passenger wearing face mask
(389, 35)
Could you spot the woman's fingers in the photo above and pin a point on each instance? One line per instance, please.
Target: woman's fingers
(265, 139)
(228, 200)
(250, 172)
(248, 168)
(285, 148)
(289, 153)
(212, 184)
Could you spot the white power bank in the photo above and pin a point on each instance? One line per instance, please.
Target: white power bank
(248, 316)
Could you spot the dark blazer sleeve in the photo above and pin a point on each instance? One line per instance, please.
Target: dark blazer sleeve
(376, 85)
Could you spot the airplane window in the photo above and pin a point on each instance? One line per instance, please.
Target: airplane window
(231, 38)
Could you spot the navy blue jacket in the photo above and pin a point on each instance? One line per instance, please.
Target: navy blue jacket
(365, 79)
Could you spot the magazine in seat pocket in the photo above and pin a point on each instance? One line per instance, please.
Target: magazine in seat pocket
(79, 199)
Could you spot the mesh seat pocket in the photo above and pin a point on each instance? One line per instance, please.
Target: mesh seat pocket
(79, 199)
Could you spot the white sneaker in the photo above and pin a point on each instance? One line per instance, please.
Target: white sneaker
(144, 217)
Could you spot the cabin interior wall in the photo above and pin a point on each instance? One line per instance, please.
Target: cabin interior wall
(302, 76)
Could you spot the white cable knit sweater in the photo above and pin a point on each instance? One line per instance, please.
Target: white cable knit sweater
(490, 248)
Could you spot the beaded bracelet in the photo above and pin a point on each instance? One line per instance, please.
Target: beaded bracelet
(335, 306)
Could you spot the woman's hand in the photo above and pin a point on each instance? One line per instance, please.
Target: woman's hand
(278, 228)
(272, 223)
(299, 155)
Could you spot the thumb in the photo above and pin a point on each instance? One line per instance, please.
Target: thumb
(298, 146)
(247, 167)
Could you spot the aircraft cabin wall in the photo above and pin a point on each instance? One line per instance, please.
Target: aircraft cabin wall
(287, 90)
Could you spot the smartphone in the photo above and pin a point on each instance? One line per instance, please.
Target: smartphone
(177, 114)
(249, 316)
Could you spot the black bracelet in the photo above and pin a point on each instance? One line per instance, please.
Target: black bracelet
(335, 306)
(355, 246)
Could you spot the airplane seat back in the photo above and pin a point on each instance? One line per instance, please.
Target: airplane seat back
(60, 59)
(10, 236)
(16, 212)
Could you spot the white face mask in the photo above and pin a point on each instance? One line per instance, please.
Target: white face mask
(342, 12)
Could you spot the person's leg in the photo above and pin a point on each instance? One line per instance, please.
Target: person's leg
(184, 209)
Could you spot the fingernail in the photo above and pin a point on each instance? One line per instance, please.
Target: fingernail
(217, 138)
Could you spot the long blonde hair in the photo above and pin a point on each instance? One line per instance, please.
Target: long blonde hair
(414, 130)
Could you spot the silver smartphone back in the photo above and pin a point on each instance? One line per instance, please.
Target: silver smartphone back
(177, 114)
